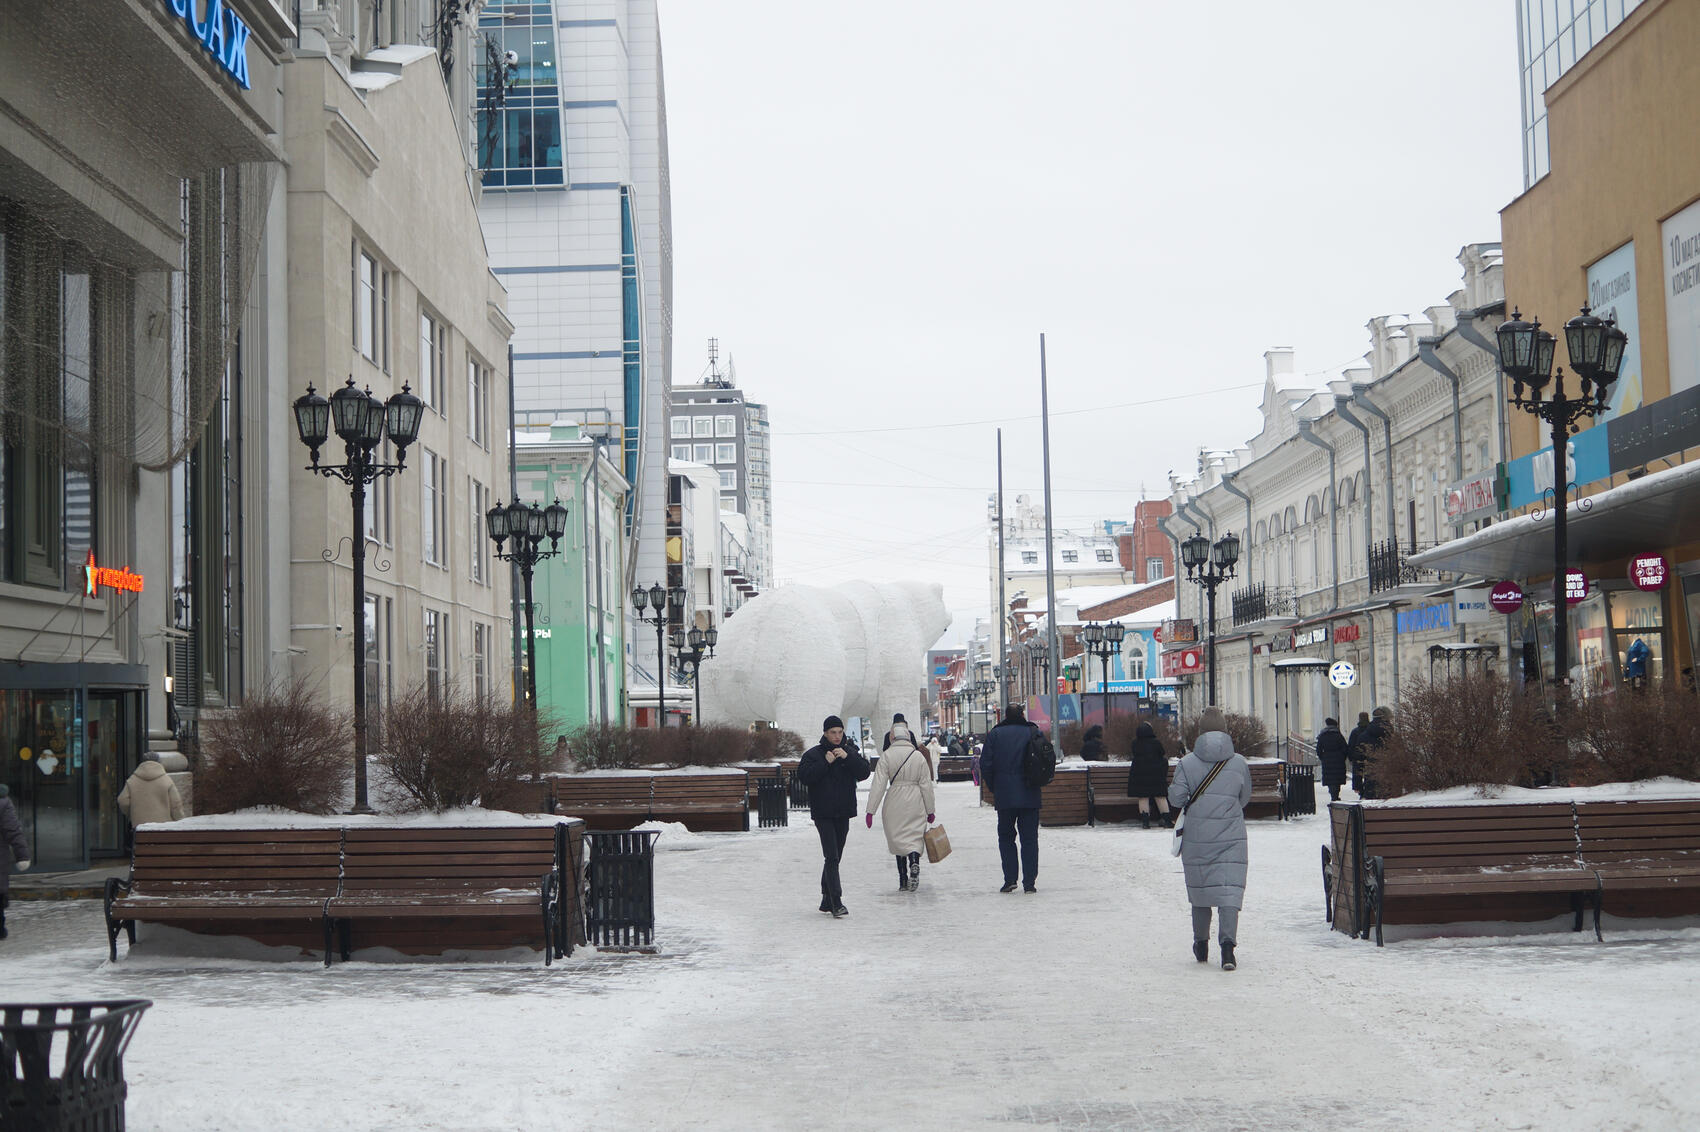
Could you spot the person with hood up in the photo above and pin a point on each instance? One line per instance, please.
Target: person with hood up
(1331, 751)
(1148, 776)
(904, 782)
(14, 850)
(1017, 802)
(831, 769)
(1355, 751)
(1380, 726)
(1212, 787)
(1092, 745)
(150, 795)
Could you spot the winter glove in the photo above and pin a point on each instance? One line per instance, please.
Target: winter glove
(870, 821)
(929, 819)
(23, 866)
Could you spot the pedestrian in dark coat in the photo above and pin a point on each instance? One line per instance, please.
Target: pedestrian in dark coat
(1148, 776)
(831, 769)
(1355, 751)
(1017, 802)
(1092, 745)
(1380, 725)
(14, 851)
(1331, 750)
(1213, 846)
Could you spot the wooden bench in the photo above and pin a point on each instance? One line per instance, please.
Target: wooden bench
(955, 768)
(1646, 854)
(1267, 795)
(267, 884)
(702, 802)
(427, 889)
(604, 801)
(1106, 792)
(758, 772)
(1449, 864)
(1063, 801)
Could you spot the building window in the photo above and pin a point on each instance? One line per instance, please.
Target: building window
(725, 453)
(433, 354)
(704, 454)
(725, 426)
(434, 514)
(365, 304)
(1153, 569)
(478, 500)
(680, 428)
(519, 142)
(379, 504)
(1106, 556)
(1071, 556)
(478, 402)
(480, 660)
(702, 426)
(728, 479)
(380, 665)
(681, 451)
(436, 654)
(1030, 558)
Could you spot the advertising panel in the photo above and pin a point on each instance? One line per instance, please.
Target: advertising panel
(1587, 456)
(1471, 605)
(1611, 294)
(1681, 239)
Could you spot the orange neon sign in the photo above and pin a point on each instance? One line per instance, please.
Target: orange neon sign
(96, 576)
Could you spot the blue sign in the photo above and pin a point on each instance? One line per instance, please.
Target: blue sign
(221, 33)
(1424, 617)
(1588, 458)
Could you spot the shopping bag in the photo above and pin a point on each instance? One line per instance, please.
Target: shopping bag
(938, 844)
(1175, 841)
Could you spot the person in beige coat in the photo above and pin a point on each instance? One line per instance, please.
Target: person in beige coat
(150, 795)
(904, 782)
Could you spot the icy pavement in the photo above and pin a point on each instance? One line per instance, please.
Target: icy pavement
(1079, 1007)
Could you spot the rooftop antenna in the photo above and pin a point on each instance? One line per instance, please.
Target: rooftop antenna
(715, 380)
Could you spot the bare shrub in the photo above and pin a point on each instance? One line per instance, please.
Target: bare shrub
(283, 746)
(450, 750)
(772, 745)
(599, 747)
(1069, 739)
(1247, 732)
(1476, 732)
(1638, 733)
(659, 746)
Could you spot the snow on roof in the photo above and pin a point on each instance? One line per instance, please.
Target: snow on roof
(1151, 614)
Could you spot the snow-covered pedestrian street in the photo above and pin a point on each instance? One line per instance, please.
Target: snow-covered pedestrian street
(954, 1007)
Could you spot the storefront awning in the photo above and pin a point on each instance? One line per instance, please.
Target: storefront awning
(1655, 512)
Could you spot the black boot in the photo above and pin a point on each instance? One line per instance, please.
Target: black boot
(1228, 963)
(902, 875)
(1144, 819)
(1169, 820)
(914, 872)
(1201, 950)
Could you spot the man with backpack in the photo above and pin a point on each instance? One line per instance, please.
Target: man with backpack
(1016, 763)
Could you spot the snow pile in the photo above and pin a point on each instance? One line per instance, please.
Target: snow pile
(271, 817)
(1501, 795)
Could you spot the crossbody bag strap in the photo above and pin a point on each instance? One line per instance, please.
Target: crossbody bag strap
(1205, 785)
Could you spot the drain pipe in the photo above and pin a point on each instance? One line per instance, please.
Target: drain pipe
(1425, 351)
(1360, 397)
(1467, 331)
(1231, 485)
(1343, 409)
(1209, 523)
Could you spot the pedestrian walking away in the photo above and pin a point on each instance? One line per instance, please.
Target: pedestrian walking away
(1017, 802)
(14, 850)
(831, 769)
(149, 795)
(885, 744)
(1092, 745)
(1380, 727)
(1212, 786)
(1355, 752)
(1148, 777)
(903, 783)
(1332, 751)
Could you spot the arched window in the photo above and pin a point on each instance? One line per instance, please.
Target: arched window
(1261, 534)
(1358, 486)
(1289, 521)
(1312, 511)
(1133, 658)
(1347, 493)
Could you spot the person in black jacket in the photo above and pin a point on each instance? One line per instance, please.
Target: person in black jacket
(1331, 752)
(1148, 776)
(1355, 751)
(1092, 745)
(1017, 803)
(1380, 724)
(831, 769)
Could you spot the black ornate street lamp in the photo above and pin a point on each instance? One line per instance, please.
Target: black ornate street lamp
(1103, 642)
(526, 528)
(1208, 566)
(361, 421)
(692, 649)
(668, 603)
(1596, 348)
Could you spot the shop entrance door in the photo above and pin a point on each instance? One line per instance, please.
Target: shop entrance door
(113, 744)
(42, 761)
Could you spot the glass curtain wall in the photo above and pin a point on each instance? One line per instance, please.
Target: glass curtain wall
(519, 128)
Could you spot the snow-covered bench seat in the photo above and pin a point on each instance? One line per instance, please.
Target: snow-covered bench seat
(1646, 853)
(269, 884)
(604, 801)
(701, 802)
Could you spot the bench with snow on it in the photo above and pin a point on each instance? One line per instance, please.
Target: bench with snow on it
(702, 802)
(266, 884)
(1064, 800)
(604, 801)
(425, 889)
(1646, 853)
(1109, 800)
(1454, 863)
(1268, 789)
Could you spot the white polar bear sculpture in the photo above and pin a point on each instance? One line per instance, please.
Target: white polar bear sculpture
(801, 653)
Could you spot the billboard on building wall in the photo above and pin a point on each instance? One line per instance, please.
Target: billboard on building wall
(1611, 294)
(1681, 240)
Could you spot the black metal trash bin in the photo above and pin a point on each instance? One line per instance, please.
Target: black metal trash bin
(1300, 789)
(798, 791)
(62, 1064)
(772, 807)
(620, 910)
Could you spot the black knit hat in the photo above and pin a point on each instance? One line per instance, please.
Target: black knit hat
(898, 718)
(831, 722)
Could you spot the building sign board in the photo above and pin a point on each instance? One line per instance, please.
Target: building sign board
(1481, 495)
(1341, 674)
(1423, 618)
(1471, 605)
(220, 32)
(1179, 632)
(1575, 586)
(1183, 661)
(1506, 597)
(1680, 236)
(97, 576)
(1668, 425)
(1611, 294)
(1347, 633)
(1649, 571)
(1587, 458)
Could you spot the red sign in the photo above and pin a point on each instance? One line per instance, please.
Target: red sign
(1183, 661)
(1575, 586)
(1648, 571)
(1345, 633)
(1507, 597)
(1157, 633)
(96, 576)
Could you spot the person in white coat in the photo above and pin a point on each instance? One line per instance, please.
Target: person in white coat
(904, 782)
(149, 795)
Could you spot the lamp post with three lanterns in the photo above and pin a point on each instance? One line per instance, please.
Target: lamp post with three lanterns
(692, 648)
(667, 602)
(1208, 565)
(1103, 642)
(526, 527)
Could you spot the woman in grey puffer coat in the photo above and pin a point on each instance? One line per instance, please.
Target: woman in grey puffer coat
(1213, 847)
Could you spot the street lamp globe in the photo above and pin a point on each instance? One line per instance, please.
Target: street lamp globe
(696, 637)
(555, 521)
(1195, 551)
(657, 596)
(1114, 632)
(640, 598)
(677, 639)
(1091, 633)
(534, 523)
(711, 637)
(1226, 552)
(348, 412)
(372, 431)
(402, 413)
(313, 420)
(496, 522)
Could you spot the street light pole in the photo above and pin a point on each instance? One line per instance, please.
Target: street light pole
(1208, 566)
(362, 422)
(1595, 346)
(694, 655)
(667, 603)
(526, 527)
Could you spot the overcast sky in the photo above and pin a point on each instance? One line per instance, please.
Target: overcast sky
(878, 207)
